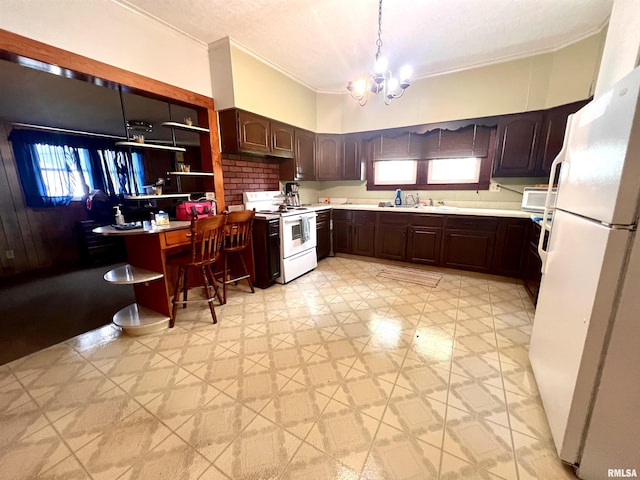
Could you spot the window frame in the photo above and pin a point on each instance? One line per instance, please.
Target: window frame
(486, 164)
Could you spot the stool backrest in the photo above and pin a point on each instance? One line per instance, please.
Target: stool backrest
(239, 225)
(207, 237)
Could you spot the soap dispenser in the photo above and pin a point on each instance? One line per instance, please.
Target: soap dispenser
(119, 216)
(398, 200)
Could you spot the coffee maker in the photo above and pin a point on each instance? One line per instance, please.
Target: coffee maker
(291, 191)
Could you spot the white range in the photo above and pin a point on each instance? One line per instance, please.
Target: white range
(297, 232)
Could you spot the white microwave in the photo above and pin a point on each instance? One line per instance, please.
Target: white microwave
(533, 199)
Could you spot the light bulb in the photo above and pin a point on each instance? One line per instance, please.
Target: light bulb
(392, 86)
(359, 87)
(405, 72)
(380, 65)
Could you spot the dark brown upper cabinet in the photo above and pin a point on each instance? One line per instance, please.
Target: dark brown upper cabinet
(352, 157)
(245, 132)
(329, 157)
(305, 155)
(397, 146)
(518, 137)
(338, 157)
(282, 140)
(553, 130)
(471, 141)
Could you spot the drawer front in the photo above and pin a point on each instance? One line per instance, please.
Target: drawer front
(364, 217)
(274, 227)
(177, 237)
(461, 222)
(425, 220)
(323, 216)
(342, 214)
(393, 218)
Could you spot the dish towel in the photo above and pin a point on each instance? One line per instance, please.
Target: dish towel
(305, 230)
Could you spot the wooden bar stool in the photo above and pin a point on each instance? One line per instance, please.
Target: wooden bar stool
(238, 240)
(207, 237)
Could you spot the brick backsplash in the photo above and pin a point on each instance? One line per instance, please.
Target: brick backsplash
(248, 174)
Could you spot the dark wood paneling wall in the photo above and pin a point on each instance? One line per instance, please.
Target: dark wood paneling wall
(38, 238)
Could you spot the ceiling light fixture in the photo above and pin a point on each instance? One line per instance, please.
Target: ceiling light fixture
(381, 80)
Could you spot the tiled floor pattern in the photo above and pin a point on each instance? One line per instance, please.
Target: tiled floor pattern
(338, 375)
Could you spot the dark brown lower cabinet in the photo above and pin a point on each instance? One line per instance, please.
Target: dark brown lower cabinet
(266, 251)
(532, 274)
(364, 228)
(469, 243)
(511, 244)
(391, 235)
(482, 244)
(423, 245)
(342, 231)
(424, 239)
(323, 234)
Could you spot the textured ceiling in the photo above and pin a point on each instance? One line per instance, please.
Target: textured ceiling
(324, 43)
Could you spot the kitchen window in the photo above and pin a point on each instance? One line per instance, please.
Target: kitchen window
(469, 173)
(55, 169)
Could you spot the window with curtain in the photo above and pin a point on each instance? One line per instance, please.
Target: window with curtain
(55, 169)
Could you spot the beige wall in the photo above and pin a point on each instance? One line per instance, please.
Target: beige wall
(622, 48)
(112, 33)
(531, 83)
(262, 89)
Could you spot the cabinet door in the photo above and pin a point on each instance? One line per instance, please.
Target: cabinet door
(329, 157)
(531, 274)
(281, 140)
(423, 245)
(351, 158)
(363, 238)
(254, 132)
(305, 155)
(266, 251)
(468, 250)
(511, 242)
(397, 146)
(518, 137)
(323, 234)
(552, 138)
(342, 235)
(364, 227)
(391, 236)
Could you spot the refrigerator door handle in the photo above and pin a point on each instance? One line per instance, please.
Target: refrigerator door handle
(547, 224)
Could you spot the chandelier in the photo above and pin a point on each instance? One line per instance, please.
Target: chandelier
(381, 80)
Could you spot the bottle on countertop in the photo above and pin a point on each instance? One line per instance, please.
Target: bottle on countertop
(119, 216)
(398, 200)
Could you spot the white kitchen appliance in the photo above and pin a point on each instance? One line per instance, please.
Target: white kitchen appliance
(585, 341)
(297, 232)
(534, 199)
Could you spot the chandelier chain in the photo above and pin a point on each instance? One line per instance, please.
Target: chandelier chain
(379, 41)
(381, 80)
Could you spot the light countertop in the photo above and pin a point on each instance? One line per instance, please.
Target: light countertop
(441, 210)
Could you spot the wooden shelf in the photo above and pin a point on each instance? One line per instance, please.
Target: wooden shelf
(151, 146)
(137, 320)
(155, 197)
(129, 275)
(184, 126)
(192, 174)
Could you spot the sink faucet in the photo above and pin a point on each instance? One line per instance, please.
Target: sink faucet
(431, 202)
(406, 199)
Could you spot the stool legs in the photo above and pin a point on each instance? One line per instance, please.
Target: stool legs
(210, 284)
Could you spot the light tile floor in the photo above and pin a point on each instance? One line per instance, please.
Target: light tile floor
(339, 375)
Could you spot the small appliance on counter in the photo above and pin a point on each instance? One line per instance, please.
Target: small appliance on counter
(292, 190)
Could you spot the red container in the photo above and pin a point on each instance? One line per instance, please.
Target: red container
(185, 210)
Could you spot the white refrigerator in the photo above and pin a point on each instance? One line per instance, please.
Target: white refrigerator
(585, 341)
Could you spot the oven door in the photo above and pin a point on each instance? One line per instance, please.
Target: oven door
(292, 232)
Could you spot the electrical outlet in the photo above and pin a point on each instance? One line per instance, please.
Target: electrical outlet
(494, 187)
(9, 254)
